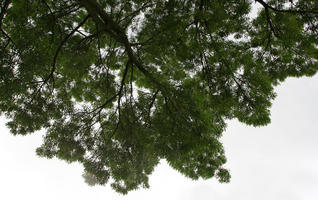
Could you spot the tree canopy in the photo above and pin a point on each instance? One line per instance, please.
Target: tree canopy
(120, 84)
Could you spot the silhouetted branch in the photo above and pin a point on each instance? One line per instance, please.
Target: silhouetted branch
(292, 11)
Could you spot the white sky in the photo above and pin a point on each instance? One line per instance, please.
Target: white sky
(278, 161)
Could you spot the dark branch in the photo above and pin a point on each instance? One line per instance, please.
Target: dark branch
(269, 21)
(136, 12)
(102, 19)
(2, 15)
(120, 92)
(4, 10)
(56, 55)
(62, 44)
(265, 5)
(153, 101)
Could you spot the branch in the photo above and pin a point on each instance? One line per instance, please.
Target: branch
(269, 21)
(6, 34)
(2, 14)
(64, 12)
(62, 44)
(120, 93)
(54, 19)
(136, 12)
(117, 94)
(131, 86)
(265, 5)
(4, 10)
(153, 101)
(118, 34)
(56, 55)
(123, 81)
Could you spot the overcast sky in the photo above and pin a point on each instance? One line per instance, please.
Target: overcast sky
(278, 161)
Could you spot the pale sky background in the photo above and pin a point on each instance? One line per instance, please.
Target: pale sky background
(276, 162)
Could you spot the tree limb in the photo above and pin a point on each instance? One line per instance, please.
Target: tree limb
(4, 10)
(117, 33)
(56, 55)
(62, 44)
(265, 5)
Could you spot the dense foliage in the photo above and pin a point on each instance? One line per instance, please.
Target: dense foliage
(120, 84)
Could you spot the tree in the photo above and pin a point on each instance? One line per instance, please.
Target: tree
(120, 84)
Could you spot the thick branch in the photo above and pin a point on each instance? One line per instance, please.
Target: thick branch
(118, 34)
(269, 21)
(2, 14)
(4, 10)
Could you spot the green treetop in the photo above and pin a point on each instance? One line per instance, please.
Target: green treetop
(120, 84)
